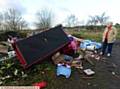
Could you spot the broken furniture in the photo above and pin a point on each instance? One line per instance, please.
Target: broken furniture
(35, 48)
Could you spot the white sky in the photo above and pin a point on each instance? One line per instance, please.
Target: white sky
(62, 8)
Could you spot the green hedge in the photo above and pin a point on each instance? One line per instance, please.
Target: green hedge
(4, 34)
(3, 37)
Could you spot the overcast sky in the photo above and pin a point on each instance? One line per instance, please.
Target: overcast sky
(82, 9)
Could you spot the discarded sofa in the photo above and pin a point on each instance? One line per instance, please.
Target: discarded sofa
(38, 47)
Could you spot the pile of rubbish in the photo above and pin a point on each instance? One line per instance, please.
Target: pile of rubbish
(73, 54)
(5, 53)
(10, 70)
(90, 45)
(68, 53)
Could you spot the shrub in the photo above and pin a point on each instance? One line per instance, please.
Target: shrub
(23, 34)
(19, 34)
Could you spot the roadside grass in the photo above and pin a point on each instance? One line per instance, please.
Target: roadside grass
(92, 35)
(96, 36)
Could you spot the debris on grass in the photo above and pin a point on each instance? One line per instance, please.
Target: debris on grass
(41, 85)
(89, 72)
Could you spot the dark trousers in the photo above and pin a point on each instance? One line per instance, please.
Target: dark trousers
(107, 46)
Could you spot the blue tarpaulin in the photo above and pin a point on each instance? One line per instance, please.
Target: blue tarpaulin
(87, 43)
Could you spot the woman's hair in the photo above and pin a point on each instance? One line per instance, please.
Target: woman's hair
(110, 23)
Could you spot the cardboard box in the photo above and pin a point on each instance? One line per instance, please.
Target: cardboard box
(58, 58)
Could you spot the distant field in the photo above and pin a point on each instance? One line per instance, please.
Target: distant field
(89, 34)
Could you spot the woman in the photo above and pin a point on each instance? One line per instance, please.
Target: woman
(109, 37)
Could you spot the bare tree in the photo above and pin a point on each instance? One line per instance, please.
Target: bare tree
(1, 18)
(72, 21)
(92, 20)
(22, 24)
(14, 20)
(102, 18)
(45, 18)
(1, 21)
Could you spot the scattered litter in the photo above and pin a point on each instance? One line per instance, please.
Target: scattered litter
(41, 84)
(87, 56)
(90, 45)
(11, 54)
(3, 78)
(80, 67)
(64, 69)
(90, 61)
(89, 72)
(77, 64)
(25, 75)
(1, 82)
(97, 57)
(16, 72)
(117, 76)
(3, 49)
(7, 76)
(43, 72)
(92, 55)
(113, 73)
(67, 58)
(88, 84)
(79, 57)
(58, 58)
(114, 65)
(3, 58)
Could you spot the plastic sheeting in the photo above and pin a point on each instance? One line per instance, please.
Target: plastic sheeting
(88, 44)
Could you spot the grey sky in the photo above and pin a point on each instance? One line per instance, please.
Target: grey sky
(62, 8)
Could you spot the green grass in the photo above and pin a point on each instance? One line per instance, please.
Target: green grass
(92, 35)
(89, 35)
